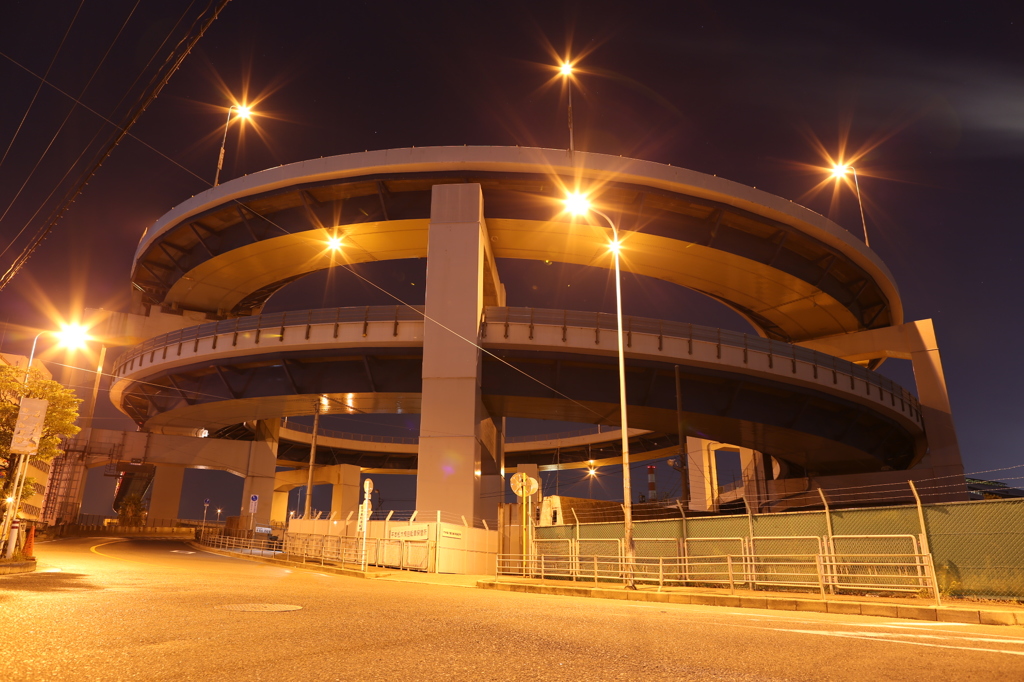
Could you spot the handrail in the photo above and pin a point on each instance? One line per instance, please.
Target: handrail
(777, 351)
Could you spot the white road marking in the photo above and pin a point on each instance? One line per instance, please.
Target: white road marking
(181, 551)
(870, 638)
(907, 634)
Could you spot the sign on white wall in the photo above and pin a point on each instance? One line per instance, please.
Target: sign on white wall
(409, 533)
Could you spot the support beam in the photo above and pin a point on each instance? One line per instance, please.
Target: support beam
(914, 341)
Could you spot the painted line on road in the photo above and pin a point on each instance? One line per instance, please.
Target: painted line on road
(780, 619)
(965, 638)
(111, 556)
(895, 641)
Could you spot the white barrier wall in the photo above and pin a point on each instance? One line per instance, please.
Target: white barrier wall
(456, 548)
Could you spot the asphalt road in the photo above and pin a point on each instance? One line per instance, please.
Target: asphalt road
(102, 609)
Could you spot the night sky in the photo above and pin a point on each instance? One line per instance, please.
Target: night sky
(928, 103)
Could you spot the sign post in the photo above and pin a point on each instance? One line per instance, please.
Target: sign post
(206, 507)
(254, 504)
(363, 523)
(524, 486)
(25, 443)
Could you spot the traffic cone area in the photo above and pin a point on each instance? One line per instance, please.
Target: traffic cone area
(30, 543)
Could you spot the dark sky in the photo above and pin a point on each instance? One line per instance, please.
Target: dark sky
(754, 92)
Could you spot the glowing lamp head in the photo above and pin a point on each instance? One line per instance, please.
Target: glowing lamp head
(73, 336)
(615, 246)
(565, 69)
(839, 170)
(243, 112)
(334, 243)
(591, 472)
(577, 203)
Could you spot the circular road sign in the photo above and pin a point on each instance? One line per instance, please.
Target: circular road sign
(523, 485)
(368, 486)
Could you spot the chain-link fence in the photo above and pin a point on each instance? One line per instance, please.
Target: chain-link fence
(976, 548)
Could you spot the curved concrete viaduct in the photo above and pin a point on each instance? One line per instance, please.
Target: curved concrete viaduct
(826, 309)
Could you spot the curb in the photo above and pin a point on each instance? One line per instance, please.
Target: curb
(17, 567)
(336, 570)
(932, 613)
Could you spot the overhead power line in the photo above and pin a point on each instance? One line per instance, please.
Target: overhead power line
(171, 64)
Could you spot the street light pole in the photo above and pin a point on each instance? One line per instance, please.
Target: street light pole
(839, 171)
(627, 488)
(243, 113)
(566, 71)
(579, 205)
(860, 202)
(20, 469)
(71, 336)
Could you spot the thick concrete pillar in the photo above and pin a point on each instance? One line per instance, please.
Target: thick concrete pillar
(166, 497)
(346, 493)
(259, 474)
(702, 468)
(456, 441)
(755, 479)
(914, 341)
(279, 508)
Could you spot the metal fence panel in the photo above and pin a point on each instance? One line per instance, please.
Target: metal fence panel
(978, 547)
(790, 524)
(880, 521)
(718, 527)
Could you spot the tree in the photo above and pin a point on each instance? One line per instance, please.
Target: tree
(61, 413)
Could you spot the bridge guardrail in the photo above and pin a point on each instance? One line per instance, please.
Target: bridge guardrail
(774, 350)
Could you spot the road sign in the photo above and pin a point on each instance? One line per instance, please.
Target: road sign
(29, 427)
(206, 502)
(368, 486)
(523, 485)
(254, 502)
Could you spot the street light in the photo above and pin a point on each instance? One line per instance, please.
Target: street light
(566, 70)
(71, 336)
(244, 113)
(577, 204)
(839, 171)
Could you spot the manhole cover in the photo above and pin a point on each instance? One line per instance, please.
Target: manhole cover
(258, 607)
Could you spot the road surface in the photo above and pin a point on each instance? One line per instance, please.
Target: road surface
(103, 609)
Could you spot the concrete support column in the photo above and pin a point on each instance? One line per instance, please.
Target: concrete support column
(166, 497)
(755, 479)
(346, 492)
(456, 433)
(259, 474)
(279, 508)
(702, 468)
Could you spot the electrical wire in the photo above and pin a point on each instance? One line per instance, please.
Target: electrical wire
(53, 139)
(39, 87)
(170, 66)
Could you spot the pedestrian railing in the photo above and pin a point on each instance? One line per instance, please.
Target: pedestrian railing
(343, 550)
(898, 574)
